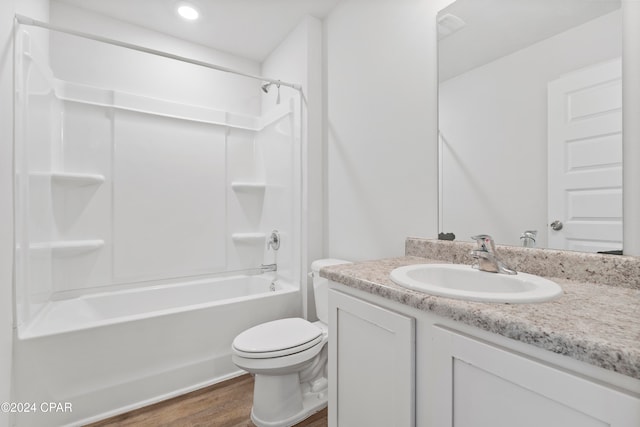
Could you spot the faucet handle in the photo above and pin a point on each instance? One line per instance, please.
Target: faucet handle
(485, 242)
(274, 240)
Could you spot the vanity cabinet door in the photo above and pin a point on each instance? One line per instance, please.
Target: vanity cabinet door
(371, 364)
(482, 385)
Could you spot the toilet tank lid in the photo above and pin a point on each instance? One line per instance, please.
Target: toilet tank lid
(321, 263)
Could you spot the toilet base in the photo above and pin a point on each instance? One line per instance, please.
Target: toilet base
(312, 403)
(288, 401)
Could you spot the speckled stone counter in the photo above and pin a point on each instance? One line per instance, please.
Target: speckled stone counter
(611, 270)
(592, 322)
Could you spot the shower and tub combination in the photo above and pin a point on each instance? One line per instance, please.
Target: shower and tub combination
(147, 188)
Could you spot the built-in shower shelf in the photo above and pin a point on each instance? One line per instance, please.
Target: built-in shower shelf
(77, 179)
(248, 187)
(72, 179)
(68, 247)
(248, 238)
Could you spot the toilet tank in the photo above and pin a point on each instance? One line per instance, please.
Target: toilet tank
(321, 285)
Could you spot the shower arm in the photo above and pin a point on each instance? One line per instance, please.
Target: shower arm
(25, 20)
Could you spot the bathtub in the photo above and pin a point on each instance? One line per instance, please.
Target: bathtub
(104, 354)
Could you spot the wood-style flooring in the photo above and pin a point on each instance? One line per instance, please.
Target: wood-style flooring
(227, 404)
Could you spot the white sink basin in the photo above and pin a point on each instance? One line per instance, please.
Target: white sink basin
(465, 282)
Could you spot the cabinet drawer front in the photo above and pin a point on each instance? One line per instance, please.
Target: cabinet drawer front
(485, 385)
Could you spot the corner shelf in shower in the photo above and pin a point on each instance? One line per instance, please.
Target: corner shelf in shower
(248, 238)
(248, 187)
(72, 179)
(77, 179)
(68, 247)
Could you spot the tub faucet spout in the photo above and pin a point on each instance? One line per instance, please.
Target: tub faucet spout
(268, 267)
(486, 257)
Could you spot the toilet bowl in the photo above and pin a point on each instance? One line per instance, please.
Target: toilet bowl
(289, 360)
(290, 378)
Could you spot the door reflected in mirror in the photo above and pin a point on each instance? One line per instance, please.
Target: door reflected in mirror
(530, 120)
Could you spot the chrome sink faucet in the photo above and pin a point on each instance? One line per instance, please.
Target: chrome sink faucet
(486, 258)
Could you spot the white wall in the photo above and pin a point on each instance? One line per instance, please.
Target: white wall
(298, 60)
(493, 120)
(38, 9)
(380, 70)
(102, 65)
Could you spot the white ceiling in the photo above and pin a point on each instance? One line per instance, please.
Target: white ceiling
(248, 28)
(253, 28)
(495, 28)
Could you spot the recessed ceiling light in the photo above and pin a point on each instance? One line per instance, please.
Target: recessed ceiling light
(188, 12)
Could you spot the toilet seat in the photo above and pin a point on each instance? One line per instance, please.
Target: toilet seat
(278, 338)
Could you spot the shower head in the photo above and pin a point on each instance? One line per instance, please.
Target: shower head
(266, 86)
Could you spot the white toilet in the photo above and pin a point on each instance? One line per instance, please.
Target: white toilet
(289, 360)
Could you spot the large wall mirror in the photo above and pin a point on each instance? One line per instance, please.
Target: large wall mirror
(530, 120)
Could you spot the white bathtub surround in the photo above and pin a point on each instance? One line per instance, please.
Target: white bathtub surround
(110, 308)
(123, 350)
(143, 204)
(127, 190)
(298, 58)
(38, 9)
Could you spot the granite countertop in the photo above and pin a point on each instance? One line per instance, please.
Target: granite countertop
(594, 323)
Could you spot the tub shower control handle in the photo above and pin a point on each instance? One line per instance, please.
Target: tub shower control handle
(274, 241)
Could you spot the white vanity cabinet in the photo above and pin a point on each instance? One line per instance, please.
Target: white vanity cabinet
(371, 364)
(481, 384)
(462, 376)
